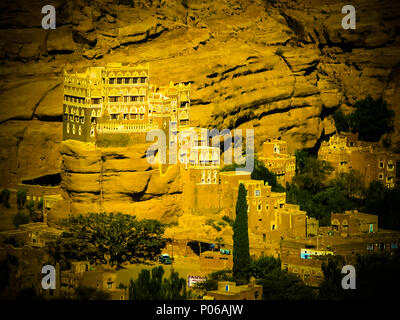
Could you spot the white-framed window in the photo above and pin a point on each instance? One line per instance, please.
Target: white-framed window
(67, 127)
(92, 131)
(80, 130)
(73, 129)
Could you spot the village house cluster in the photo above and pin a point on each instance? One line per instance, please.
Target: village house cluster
(345, 152)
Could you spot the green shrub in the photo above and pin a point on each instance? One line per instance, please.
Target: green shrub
(341, 121)
(40, 204)
(30, 205)
(211, 222)
(21, 197)
(279, 52)
(20, 218)
(5, 197)
(228, 220)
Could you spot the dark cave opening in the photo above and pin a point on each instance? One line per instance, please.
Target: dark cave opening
(46, 180)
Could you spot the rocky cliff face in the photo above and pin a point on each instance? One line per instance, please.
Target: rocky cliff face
(117, 180)
(226, 49)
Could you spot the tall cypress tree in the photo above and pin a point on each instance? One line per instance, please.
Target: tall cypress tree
(241, 252)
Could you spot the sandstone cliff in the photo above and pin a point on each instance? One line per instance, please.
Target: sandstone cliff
(117, 180)
(226, 49)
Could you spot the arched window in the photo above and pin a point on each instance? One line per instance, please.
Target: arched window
(133, 113)
(209, 177)
(335, 224)
(345, 225)
(203, 176)
(183, 115)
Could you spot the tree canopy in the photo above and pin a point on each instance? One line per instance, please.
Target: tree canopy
(318, 193)
(152, 286)
(241, 253)
(377, 277)
(110, 239)
(312, 174)
(260, 172)
(371, 119)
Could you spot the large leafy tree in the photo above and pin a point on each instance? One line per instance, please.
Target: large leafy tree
(110, 239)
(377, 277)
(313, 174)
(241, 252)
(352, 183)
(371, 119)
(261, 172)
(319, 195)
